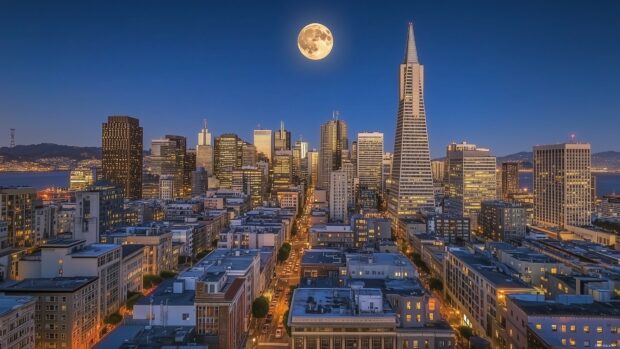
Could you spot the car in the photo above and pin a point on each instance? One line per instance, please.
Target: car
(279, 333)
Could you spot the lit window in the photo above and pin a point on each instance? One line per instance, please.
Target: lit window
(572, 342)
(418, 318)
(538, 326)
(586, 329)
(563, 341)
(599, 329)
(418, 305)
(554, 328)
(431, 305)
(408, 305)
(599, 343)
(408, 317)
(431, 316)
(573, 328)
(563, 328)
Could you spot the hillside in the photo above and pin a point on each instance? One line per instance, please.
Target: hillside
(35, 152)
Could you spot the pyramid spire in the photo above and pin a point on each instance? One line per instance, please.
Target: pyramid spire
(411, 53)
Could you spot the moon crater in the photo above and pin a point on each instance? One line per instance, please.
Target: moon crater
(315, 41)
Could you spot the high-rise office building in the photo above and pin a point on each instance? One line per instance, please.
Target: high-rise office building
(510, 178)
(282, 140)
(248, 156)
(411, 182)
(199, 181)
(333, 142)
(313, 167)
(190, 167)
(82, 177)
(183, 168)
(470, 179)
(250, 180)
(264, 143)
(438, 168)
(204, 150)
(300, 163)
(387, 172)
(370, 160)
(339, 196)
(282, 170)
(562, 180)
(354, 154)
(503, 220)
(121, 154)
(228, 157)
(17, 206)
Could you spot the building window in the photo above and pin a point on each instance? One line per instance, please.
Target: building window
(418, 318)
(405, 344)
(418, 305)
(586, 343)
(573, 328)
(563, 328)
(408, 305)
(185, 316)
(431, 305)
(554, 328)
(572, 342)
(538, 326)
(416, 345)
(408, 317)
(431, 316)
(599, 329)
(599, 343)
(586, 328)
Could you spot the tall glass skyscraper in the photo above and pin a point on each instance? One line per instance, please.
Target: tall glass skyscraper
(121, 154)
(411, 184)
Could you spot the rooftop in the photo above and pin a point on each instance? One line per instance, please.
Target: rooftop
(164, 294)
(332, 228)
(488, 270)
(54, 243)
(323, 256)
(321, 303)
(129, 249)
(57, 284)
(550, 308)
(10, 303)
(94, 250)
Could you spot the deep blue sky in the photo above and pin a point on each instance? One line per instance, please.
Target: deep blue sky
(501, 74)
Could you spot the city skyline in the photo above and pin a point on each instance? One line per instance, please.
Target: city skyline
(81, 88)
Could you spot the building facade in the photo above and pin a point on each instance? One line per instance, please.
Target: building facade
(121, 154)
(369, 160)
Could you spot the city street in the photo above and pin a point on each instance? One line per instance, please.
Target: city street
(270, 332)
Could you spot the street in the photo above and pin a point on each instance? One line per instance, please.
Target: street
(270, 332)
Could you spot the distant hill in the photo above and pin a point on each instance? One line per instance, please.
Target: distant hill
(35, 152)
(609, 159)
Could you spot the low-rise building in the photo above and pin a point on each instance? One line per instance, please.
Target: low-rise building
(503, 220)
(17, 327)
(171, 304)
(379, 266)
(131, 268)
(566, 322)
(332, 236)
(449, 228)
(66, 310)
(328, 263)
(466, 272)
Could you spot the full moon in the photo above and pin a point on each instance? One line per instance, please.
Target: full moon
(315, 41)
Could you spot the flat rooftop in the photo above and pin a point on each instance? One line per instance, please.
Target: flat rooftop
(94, 250)
(57, 284)
(383, 258)
(163, 294)
(321, 304)
(488, 269)
(549, 308)
(331, 228)
(323, 256)
(55, 243)
(129, 249)
(10, 303)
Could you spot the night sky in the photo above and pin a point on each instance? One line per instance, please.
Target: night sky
(501, 74)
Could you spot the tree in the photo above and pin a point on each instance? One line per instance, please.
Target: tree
(466, 332)
(260, 307)
(286, 326)
(113, 319)
(150, 280)
(166, 274)
(435, 284)
(284, 252)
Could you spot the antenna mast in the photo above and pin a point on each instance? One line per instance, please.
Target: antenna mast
(12, 144)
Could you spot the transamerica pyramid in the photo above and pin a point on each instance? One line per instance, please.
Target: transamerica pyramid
(411, 182)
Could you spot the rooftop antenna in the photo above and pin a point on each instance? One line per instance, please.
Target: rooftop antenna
(281, 126)
(335, 114)
(572, 137)
(205, 121)
(12, 144)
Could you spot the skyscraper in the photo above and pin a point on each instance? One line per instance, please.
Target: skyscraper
(438, 167)
(204, 150)
(249, 180)
(510, 178)
(470, 179)
(282, 170)
(282, 139)
(339, 196)
(228, 157)
(562, 180)
(121, 151)
(313, 167)
(333, 141)
(263, 141)
(248, 154)
(183, 175)
(411, 184)
(370, 160)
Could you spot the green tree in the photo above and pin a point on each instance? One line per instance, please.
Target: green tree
(260, 307)
(113, 319)
(466, 332)
(166, 274)
(150, 280)
(284, 252)
(435, 284)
